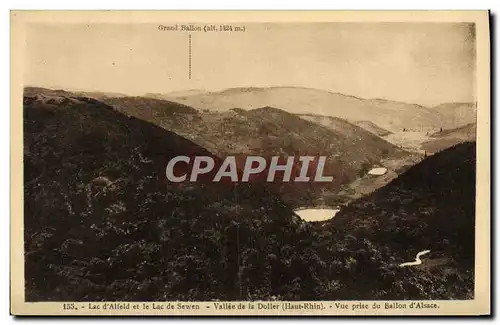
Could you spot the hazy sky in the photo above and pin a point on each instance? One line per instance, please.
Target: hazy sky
(426, 63)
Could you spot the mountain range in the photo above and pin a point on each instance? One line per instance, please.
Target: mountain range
(387, 114)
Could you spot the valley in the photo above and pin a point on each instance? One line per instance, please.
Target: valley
(350, 150)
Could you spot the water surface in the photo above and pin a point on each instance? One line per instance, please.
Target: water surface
(318, 214)
(378, 171)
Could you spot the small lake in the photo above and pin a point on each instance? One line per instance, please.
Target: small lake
(378, 171)
(319, 214)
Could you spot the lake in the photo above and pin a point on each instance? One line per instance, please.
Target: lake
(378, 171)
(319, 214)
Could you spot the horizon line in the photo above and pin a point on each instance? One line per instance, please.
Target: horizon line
(221, 90)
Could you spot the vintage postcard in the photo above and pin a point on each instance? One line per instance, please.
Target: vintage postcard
(250, 163)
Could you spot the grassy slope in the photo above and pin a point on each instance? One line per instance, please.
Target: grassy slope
(373, 128)
(449, 138)
(333, 123)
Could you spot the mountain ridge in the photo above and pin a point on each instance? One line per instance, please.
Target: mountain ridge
(388, 114)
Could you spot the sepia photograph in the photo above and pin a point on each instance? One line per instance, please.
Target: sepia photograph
(169, 163)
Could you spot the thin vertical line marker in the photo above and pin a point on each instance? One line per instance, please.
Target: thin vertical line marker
(190, 56)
